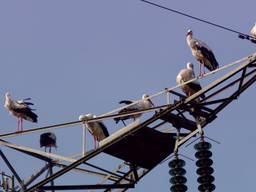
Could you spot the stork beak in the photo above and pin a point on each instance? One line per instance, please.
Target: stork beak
(189, 32)
(150, 101)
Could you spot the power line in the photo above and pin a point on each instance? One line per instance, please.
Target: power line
(240, 34)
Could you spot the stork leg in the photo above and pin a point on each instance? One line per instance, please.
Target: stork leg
(18, 125)
(97, 143)
(200, 69)
(94, 138)
(21, 124)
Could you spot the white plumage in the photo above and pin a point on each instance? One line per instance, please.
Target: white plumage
(253, 31)
(97, 128)
(186, 75)
(145, 103)
(202, 53)
(20, 109)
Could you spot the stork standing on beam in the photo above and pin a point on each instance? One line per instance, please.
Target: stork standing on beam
(202, 53)
(186, 75)
(20, 109)
(145, 103)
(97, 129)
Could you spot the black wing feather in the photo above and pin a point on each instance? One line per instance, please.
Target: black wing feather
(125, 110)
(210, 56)
(28, 103)
(127, 102)
(196, 87)
(104, 129)
(27, 113)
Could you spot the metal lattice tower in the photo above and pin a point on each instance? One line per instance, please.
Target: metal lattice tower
(141, 146)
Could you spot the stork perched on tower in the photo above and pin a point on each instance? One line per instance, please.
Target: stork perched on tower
(143, 104)
(20, 109)
(48, 140)
(186, 75)
(97, 129)
(202, 53)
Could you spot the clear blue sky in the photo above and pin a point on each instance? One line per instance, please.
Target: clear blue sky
(76, 57)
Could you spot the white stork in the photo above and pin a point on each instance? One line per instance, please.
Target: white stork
(253, 31)
(145, 103)
(97, 129)
(186, 75)
(202, 53)
(20, 109)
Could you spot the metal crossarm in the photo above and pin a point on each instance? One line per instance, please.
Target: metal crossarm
(190, 115)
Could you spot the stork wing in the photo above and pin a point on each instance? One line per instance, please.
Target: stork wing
(196, 87)
(24, 102)
(104, 129)
(127, 102)
(27, 113)
(200, 44)
(208, 53)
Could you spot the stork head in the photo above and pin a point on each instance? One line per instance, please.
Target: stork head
(189, 32)
(86, 117)
(146, 97)
(7, 95)
(190, 66)
(7, 101)
(89, 115)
